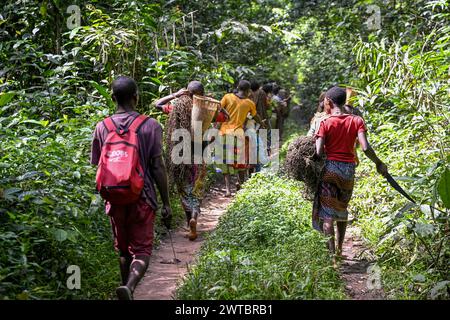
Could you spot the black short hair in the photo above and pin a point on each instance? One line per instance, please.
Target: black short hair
(338, 95)
(275, 89)
(196, 87)
(267, 88)
(254, 85)
(124, 89)
(243, 85)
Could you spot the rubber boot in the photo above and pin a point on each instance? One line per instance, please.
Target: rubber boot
(138, 268)
(193, 227)
(125, 262)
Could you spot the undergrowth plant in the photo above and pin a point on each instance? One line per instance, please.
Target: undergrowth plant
(264, 248)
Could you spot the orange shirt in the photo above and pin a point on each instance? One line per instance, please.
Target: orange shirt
(238, 110)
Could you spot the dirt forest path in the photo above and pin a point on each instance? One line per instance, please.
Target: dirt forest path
(354, 269)
(161, 278)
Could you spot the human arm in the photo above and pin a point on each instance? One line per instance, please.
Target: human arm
(320, 142)
(165, 100)
(256, 116)
(370, 153)
(96, 146)
(260, 121)
(287, 99)
(159, 173)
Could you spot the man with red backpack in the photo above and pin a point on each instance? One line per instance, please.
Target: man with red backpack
(127, 149)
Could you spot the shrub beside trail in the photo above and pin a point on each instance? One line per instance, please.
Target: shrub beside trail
(264, 248)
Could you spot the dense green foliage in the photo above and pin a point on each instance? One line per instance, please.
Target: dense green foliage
(54, 87)
(54, 84)
(405, 95)
(264, 248)
(401, 71)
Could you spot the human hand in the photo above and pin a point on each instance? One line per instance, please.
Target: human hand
(382, 169)
(166, 213)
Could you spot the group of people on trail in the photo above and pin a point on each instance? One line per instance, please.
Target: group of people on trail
(337, 126)
(128, 149)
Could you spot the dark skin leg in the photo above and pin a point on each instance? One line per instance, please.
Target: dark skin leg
(242, 176)
(227, 185)
(341, 227)
(137, 270)
(188, 216)
(328, 230)
(125, 261)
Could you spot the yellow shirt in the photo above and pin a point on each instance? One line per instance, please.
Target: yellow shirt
(238, 110)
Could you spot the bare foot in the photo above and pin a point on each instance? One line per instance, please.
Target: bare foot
(193, 230)
(335, 263)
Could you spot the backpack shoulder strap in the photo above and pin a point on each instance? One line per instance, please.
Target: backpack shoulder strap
(138, 122)
(109, 124)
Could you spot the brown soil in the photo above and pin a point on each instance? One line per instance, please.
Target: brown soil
(354, 269)
(162, 277)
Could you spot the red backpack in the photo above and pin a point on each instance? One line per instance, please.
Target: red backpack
(120, 177)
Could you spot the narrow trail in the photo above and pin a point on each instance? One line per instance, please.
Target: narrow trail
(161, 278)
(354, 269)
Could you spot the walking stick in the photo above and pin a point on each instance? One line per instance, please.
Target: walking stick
(175, 260)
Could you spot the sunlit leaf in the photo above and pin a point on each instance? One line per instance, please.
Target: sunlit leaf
(444, 188)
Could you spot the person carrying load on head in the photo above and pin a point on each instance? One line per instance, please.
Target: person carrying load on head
(189, 177)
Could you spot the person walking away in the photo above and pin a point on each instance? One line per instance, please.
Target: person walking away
(127, 149)
(281, 104)
(336, 138)
(267, 88)
(238, 105)
(259, 97)
(319, 116)
(188, 178)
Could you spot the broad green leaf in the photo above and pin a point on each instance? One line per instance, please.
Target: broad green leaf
(444, 188)
(6, 97)
(267, 28)
(9, 193)
(419, 278)
(424, 229)
(60, 235)
(104, 92)
(74, 32)
(43, 123)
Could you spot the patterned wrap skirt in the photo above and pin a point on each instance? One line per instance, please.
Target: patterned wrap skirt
(235, 156)
(334, 193)
(192, 188)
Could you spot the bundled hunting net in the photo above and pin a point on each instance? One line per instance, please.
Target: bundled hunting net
(301, 165)
(179, 118)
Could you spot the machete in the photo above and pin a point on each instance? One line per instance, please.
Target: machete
(397, 187)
